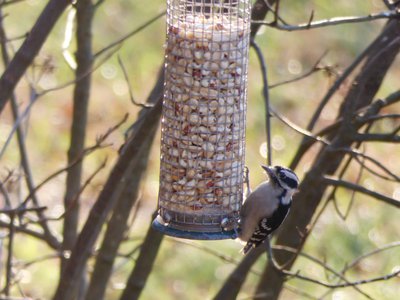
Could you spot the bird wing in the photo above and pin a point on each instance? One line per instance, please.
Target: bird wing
(260, 234)
(266, 226)
(261, 203)
(261, 199)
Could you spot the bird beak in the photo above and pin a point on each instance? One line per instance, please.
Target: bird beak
(269, 171)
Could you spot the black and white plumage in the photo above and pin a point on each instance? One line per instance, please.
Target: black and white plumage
(267, 206)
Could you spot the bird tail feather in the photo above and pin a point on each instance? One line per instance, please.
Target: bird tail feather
(246, 248)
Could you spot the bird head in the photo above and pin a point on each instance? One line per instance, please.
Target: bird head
(283, 177)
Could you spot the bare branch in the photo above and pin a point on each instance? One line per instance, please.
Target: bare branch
(388, 4)
(315, 68)
(322, 264)
(5, 195)
(5, 3)
(30, 48)
(99, 144)
(325, 284)
(391, 14)
(118, 42)
(83, 75)
(263, 67)
(211, 251)
(236, 279)
(365, 114)
(129, 86)
(54, 244)
(144, 264)
(25, 163)
(381, 117)
(18, 118)
(361, 189)
(81, 190)
(312, 188)
(296, 291)
(357, 155)
(298, 129)
(362, 257)
(27, 264)
(368, 254)
(259, 12)
(353, 193)
(17, 211)
(377, 137)
(100, 210)
(10, 251)
(84, 13)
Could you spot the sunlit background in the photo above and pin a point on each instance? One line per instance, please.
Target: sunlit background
(186, 271)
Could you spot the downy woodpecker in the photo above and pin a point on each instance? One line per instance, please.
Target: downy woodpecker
(267, 206)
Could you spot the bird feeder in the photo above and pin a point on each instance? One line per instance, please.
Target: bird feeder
(203, 118)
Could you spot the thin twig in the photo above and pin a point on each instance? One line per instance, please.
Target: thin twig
(361, 189)
(127, 36)
(323, 264)
(5, 3)
(26, 166)
(358, 259)
(363, 113)
(98, 145)
(353, 193)
(319, 282)
(10, 250)
(273, 10)
(315, 68)
(352, 151)
(299, 292)
(82, 188)
(263, 67)
(332, 21)
(343, 171)
(18, 121)
(377, 137)
(381, 117)
(368, 254)
(30, 48)
(210, 251)
(54, 244)
(299, 129)
(388, 4)
(392, 177)
(129, 86)
(90, 71)
(276, 12)
(16, 211)
(6, 197)
(333, 89)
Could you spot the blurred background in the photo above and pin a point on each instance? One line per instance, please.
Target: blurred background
(186, 269)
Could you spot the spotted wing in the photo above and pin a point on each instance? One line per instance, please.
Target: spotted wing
(266, 226)
(262, 231)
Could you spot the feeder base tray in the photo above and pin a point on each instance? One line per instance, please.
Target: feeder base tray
(179, 233)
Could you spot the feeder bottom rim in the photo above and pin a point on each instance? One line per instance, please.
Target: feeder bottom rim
(169, 229)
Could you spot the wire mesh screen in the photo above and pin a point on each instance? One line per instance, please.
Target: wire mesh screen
(204, 113)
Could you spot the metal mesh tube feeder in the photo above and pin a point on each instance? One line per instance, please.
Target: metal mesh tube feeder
(203, 118)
